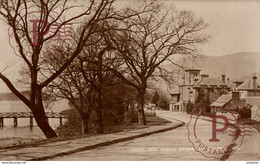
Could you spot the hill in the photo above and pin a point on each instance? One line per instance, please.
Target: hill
(10, 96)
(237, 66)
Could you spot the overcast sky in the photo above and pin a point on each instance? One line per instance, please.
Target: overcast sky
(233, 24)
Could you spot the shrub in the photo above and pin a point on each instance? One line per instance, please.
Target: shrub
(245, 112)
(113, 111)
(208, 114)
(189, 107)
(131, 116)
(72, 126)
(155, 98)
(163, 104)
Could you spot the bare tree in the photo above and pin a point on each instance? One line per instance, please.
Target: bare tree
(82, 82)
(32, 41)
(152, 39)
(71, 86)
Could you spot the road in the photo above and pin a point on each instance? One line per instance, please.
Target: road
(172, 145)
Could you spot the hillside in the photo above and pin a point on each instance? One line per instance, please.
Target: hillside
(10, 96)
(237, 66)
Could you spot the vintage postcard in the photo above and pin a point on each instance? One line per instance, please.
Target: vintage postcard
(129, 80)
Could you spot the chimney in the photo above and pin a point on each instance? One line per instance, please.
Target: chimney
(235, 95)
(254, 86)
(224, 78)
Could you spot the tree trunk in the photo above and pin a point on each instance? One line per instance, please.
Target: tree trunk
(140, 99)
(40, 117)
(84, 123)
(99, 92)
(43, 124)
(99, 113)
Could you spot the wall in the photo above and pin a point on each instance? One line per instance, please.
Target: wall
(255, 113)
(253, 93)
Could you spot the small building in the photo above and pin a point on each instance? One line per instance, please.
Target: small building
(220, 103)
(246, 93)
(229, 102)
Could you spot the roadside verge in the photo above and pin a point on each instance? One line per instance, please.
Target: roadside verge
(61, 148)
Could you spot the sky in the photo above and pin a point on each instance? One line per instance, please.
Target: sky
(234, 26)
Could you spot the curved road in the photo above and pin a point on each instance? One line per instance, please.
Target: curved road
(172, 145)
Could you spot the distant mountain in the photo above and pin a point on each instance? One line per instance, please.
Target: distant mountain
(8, 97)
(235, 66)
(11, 96)
(250, 75)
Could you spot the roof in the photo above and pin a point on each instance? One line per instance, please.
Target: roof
(231, 85)
(204, 75)
(221, 101)
(238, 81)
(247, 84)
(254, 101)
(210, 82)
(192, 69)
(178, 103)
(175, 93)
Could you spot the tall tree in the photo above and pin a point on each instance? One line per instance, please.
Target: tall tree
(82, 82)
(153, 39)
(29, 29)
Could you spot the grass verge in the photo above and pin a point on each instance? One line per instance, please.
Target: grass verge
(14, 142)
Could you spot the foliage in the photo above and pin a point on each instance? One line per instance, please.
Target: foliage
(131, 116)
(107, 45)
(148, 43)
(189, 107)
(202, 102)
(115, 102)
(163, 104)
(208, 113)
(72, 126)
(118, 104)
(18, 15)
(155, 98)
(245, 112)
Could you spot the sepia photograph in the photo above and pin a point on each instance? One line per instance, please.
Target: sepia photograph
(129, 81)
